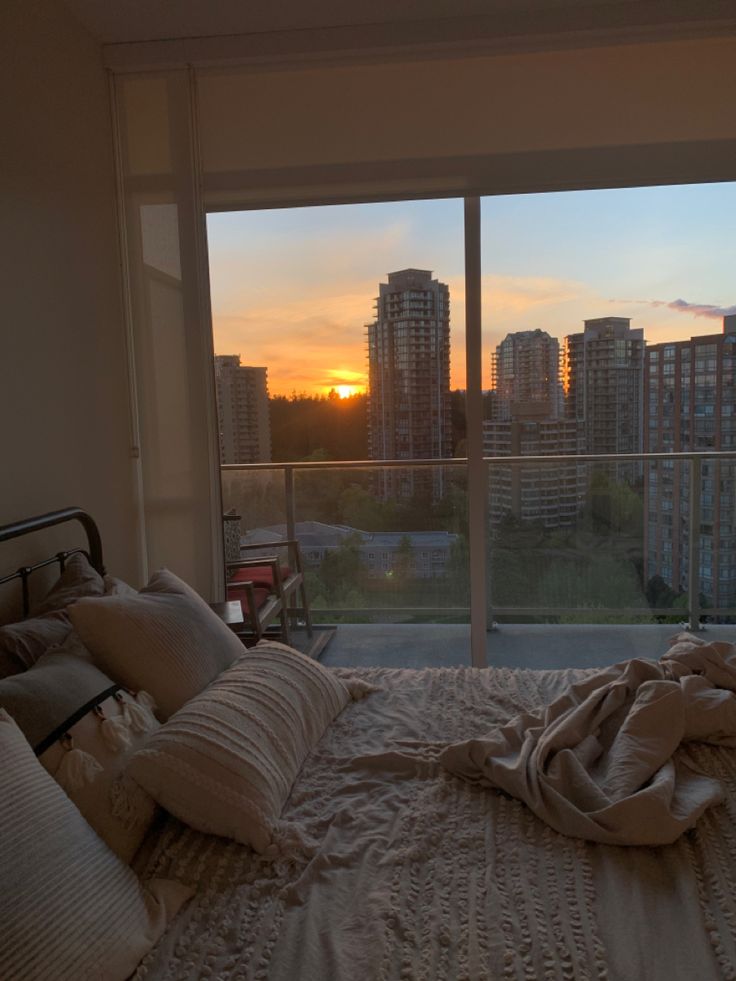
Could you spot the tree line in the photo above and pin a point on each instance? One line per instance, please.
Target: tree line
(327, 427)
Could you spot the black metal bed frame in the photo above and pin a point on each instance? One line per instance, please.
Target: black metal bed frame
(28, 525)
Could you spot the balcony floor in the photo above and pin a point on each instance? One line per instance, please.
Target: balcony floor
(534, 646)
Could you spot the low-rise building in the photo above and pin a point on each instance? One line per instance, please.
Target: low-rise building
(381, 552)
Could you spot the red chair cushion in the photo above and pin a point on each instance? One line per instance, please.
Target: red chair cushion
(259, 575)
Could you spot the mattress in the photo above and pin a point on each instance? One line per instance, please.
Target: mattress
(410, 873)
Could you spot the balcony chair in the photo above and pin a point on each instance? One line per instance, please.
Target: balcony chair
(267, 589)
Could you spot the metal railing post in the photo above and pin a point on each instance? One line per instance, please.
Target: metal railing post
(693, 584)
(290, 503)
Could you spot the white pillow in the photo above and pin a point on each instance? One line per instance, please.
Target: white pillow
(164, 640)
(225, 763)
(69, 908)
(84, 731)
(114, 805)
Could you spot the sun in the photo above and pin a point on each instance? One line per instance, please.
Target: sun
(346, 391)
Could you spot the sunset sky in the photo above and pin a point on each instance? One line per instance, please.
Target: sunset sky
(293, 289)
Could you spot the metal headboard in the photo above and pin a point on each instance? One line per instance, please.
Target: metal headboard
(28, 525)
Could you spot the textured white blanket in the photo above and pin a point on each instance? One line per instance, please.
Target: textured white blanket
(419, 875)
(605, 761)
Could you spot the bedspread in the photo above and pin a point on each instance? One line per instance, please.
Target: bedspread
(417, 875)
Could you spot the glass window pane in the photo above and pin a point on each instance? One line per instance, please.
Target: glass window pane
(339, 337)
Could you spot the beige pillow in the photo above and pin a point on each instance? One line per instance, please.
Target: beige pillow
(165, 640)
(69, 908)
(78, 579)
(225, 763)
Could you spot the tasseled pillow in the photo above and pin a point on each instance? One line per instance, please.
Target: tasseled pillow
(83, 728)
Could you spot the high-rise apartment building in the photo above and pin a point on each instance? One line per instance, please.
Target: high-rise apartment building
(690, 405)
(242, 411)
(550, 493)
(604, 377)
(409, 380)
(527, 420)
(525, 367)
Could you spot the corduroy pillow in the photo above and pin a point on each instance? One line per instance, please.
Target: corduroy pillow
(225, 763)
(165, 640)
(69, 908)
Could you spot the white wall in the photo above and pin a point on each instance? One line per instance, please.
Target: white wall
(64, 429)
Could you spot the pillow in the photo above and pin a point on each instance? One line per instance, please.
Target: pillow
(78, 579)
(9, 664)
(88, 762)
(68, 907)
(164, 639)
(84, 729)
(21, 644)
(226, 761)
(45, 698)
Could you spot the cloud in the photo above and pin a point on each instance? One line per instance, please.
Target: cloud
(710, 310)
(513, 295)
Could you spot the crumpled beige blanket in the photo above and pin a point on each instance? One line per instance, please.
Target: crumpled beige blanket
(605, 761)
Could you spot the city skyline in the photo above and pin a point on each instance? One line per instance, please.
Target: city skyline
(293, 289)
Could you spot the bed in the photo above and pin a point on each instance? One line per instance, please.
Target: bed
(405, 872)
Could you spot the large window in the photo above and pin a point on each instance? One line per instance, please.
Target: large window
(339, 336)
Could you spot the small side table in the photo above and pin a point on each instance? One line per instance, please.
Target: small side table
(230, 612)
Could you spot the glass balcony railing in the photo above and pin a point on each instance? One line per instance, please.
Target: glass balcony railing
(641, 539)
(379, 544)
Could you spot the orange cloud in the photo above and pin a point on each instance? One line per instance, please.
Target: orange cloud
(316, 339)
(311, 336)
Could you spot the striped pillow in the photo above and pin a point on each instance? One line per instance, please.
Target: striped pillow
(225, 763)
(68, 907)
(164, 640)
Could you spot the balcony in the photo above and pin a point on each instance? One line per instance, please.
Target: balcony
(579, 586)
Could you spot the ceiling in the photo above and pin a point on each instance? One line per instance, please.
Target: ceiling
(126, 21)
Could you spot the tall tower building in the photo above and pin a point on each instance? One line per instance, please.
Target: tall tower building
(525, 367)
(527, 420)
(604, 376)
(242, 411)
(690, 405)
(409, 380)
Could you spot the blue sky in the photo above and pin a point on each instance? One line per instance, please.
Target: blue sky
(293, 289)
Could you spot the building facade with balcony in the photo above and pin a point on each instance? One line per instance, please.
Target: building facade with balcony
(242, 411)
(690, 405)
(409, 381)
(525, 367)
(604, 377)
(552, 494)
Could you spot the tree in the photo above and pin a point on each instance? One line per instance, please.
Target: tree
(341, 569)
(304, 423)
(360, 508)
